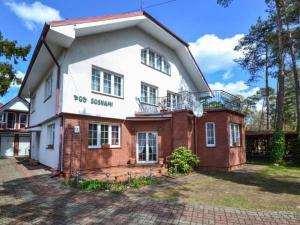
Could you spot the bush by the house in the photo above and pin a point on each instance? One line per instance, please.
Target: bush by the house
(297, 151)
(278, 147)
(183, 160)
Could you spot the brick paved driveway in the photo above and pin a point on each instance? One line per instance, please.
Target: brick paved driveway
(29, 196)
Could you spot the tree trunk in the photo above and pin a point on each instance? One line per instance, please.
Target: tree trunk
(281, 74)
(294, 66)
(267, 88)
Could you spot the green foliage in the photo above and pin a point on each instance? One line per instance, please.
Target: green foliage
(184, 160)
(91, 185)
(116, 187)
(278, 147)
(142, 181)
(10, 53)
(297, 153)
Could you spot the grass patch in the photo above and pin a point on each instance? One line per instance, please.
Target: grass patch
(263, 187)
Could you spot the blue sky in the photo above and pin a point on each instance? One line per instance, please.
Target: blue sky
(211, 30)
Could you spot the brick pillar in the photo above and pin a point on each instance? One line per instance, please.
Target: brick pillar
(182, 135)
(16, 145)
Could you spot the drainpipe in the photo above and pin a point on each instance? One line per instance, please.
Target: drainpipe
(60, 164)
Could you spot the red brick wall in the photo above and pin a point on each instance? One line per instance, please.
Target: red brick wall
(222, 156)
(172, 133)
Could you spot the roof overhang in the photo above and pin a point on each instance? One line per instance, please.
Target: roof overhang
(61, 34)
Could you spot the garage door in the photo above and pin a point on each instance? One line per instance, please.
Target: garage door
(24, 143)
(7, 146)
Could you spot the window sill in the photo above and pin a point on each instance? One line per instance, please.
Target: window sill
(46, 99)
(109, 95)
(100, 148)
(211, 146)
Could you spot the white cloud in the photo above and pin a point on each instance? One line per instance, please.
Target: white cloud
(238, 87)
(33, 14)
(216, 54)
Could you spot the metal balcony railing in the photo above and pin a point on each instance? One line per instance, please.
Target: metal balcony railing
(186, 100)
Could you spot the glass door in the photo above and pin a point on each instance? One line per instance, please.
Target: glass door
(147, 147)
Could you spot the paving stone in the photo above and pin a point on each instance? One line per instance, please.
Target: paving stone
(29, 196)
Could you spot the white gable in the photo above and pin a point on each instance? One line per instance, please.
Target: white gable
(16, 104)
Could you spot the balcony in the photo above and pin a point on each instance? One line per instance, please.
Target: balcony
(186, 100)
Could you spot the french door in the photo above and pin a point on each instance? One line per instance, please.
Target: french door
(146, 147)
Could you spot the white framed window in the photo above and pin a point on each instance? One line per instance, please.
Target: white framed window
(235, 139)
(95, 80)
(155, 60)
(3, 120)
(210, 134)
(101, 134)
(106, 82)
(117, 86)
(23, 120)
(50, 136)
(173, 100)
(48, 87)
(149, 94)
(144, 56)
(10, 120)
(93, 134)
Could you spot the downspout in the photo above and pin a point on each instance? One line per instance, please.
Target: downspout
(60, 164)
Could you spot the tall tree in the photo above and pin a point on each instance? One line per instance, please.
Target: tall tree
(281, 72)
(10, 54)
(291, 12)
(256, 50)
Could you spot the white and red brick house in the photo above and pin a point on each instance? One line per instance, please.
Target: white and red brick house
(110, 90)
(14, 138)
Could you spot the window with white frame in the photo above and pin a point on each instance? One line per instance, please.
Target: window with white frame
(93, 140)
(149, 94)
(95, 80)
(106, 82)
(155, 60)
(3, 120)
(11, 120)
(102, 134)
(50, 136)
(173, 100)
(48, 87)
(210, 134)
(235, 134)
(23, 120)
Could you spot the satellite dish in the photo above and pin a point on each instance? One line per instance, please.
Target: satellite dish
(198, 109)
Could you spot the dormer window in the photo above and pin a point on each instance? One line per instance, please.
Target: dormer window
(155, 61)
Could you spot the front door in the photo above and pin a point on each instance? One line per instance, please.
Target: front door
(146, 147)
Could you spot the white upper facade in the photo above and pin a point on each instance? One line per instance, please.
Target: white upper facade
(106, 65)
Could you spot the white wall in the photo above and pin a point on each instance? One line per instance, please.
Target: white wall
(39, 151)
(119, 52)
(18, 105)
(44, 109)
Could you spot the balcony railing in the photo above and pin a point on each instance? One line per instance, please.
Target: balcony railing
(186, 100)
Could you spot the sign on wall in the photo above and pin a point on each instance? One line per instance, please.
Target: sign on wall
(93, 101)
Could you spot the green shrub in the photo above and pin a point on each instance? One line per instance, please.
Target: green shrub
(297, 150)
(91, 185)
(141, 181)
(184, 160)
(278, 147)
